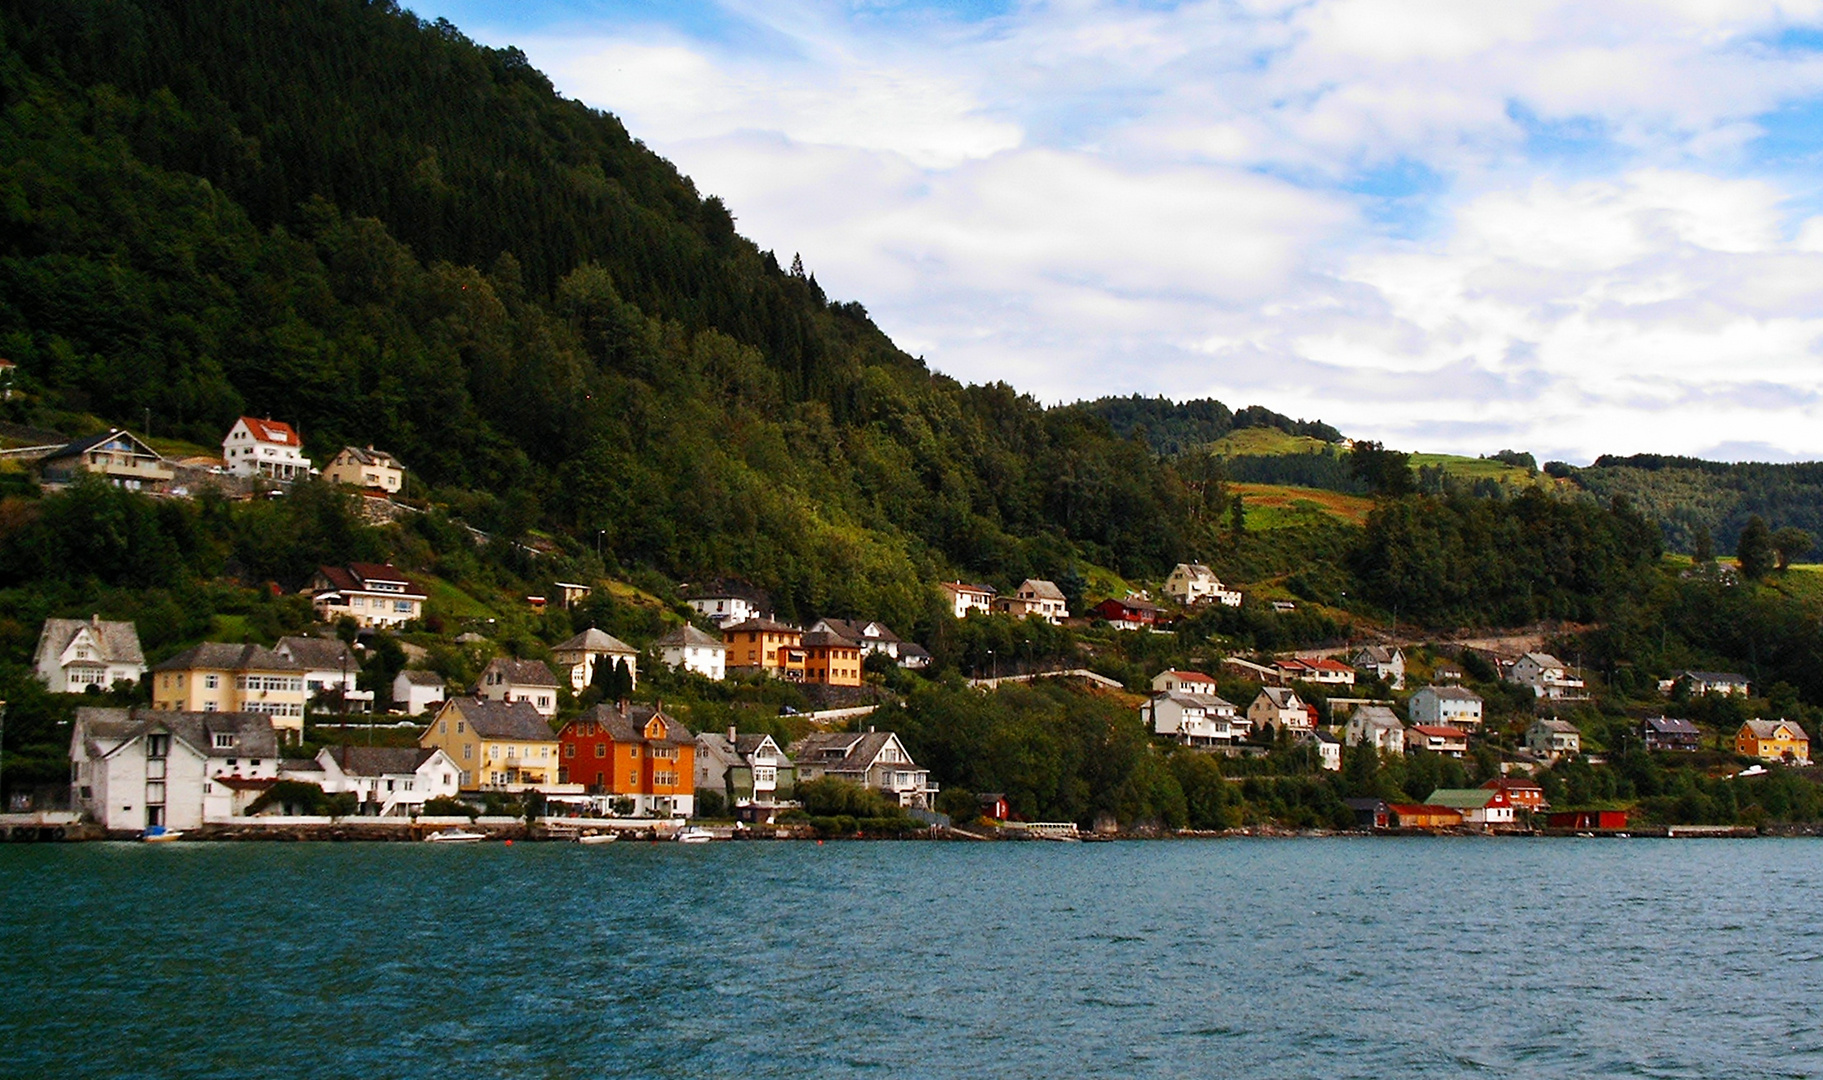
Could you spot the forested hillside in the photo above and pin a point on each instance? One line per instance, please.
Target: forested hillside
(1689, 496)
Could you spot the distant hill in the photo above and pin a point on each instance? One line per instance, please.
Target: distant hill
(1173, 428)
(1686, 494)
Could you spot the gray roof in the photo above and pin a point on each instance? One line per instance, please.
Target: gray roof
(593, 640)
(1452, 693)
(1280, 696)
(829, 639)
(417, 677)
(688, 636)
(227, 657)
(1377, 716)
(1764, 729)
(843, 751)
(715, 746)
(762, 626)
(379, 760)
(520, 672)
(1562, 727)
(319, 654)
(370, 456)
(1375, 654)
(1714, 676)
(117, 642)
(1198, 701)
(254, 737)
(750, 744)
(1670, 725)
(503, 719)
(1544, 660)
(855, 630)
(1043, 589)
(630, 726)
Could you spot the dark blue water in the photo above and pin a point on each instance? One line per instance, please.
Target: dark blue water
(1331, 958)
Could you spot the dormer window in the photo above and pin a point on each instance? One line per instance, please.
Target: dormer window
(224, 741)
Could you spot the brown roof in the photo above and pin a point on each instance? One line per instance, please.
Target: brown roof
(761, 626)
(222, 656)
(503, 719)
(319, 654)
(380, 760)
(521, 672)
(630, 726)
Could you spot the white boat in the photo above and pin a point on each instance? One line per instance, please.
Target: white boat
(158, 834)
(597, 838)
(455, 836)
(694, 835)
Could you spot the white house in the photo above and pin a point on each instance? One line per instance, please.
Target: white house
(1437, 739)
(418, 692)
(1281, 707)
(75, 654)
(580, 655)
(257, 447)
(751, 770)
(1546, 675)
(693, 650)
(141, 768)
(1184, 682)
(873, 636)
(1375, 726)
(1329, 748)
(1192, 719)
(1448, 706)
(530, 681)
(388, 781)
(372, 594)
(725, 602)
(1725, 683)
(1553, 738)
(1382, 663)
(964, 598)
(875, 759)
(331, 670)
(1035, 598)
(1194, 583)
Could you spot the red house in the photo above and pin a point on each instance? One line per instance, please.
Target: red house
(1130, 614)
(1589, 819)
(993, 805)
(1523, 794)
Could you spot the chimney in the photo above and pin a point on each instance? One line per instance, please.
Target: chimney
(623, 706)
(730, 734)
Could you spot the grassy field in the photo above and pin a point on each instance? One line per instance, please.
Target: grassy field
(1265, 442)
(1276, 506)
(1802, 581)
(450, 602)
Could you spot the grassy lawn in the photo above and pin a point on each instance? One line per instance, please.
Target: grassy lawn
(1266, 442)
(231, 628)
(1802, 581)
(450, 602)
(1278, 506)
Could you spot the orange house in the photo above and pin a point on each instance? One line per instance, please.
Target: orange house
(632, 752)
(831, 658)
(772, 647)
(1773, 740)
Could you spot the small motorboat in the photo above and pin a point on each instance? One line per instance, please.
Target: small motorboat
(158, 834)
(597, 838)
(695, 835)
(455, 836)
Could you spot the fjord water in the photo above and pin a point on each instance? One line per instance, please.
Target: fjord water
(1317, 957)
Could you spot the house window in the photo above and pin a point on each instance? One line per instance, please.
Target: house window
(158, 746)
(467, 752)
(458, 727)
(211, 682)
(155, 792)
(224, 741)
(569, 750)
(544, 702)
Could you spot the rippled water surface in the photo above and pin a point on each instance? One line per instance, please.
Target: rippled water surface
(1331, 958)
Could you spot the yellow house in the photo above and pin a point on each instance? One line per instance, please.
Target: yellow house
(772, 647)
(1773, 740)
(218, 677)
(498, 745)
(375, 470)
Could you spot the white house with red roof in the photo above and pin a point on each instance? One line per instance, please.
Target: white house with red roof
(1317, 670)
(1183, 682)
(256, 447)
(372, 594)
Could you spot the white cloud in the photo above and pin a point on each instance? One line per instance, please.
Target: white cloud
(1087, 197)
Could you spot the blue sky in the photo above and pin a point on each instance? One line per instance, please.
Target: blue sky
(1572, 228)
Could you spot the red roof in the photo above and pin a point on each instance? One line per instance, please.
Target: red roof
(272, 431)
(1438, 731)
(1190, 676)
(1324, 663)
(1504, 783)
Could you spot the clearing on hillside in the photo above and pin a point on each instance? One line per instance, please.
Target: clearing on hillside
(1281, 506)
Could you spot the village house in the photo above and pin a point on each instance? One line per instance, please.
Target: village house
(1318, 671)
(579, 656)
(1184, 682)
(725, 602)
(387, 781)
(1035, 598)
(1478, 806)
(1547, 676)
(1130, 614)
(1423, 816)
(369, 469)
(372, 594)
(218, 677)
(331, 671)
(872, 759)
(873, 637)
(1329, 748)
(1588, 820)
(571, 593)
(1553, 738)
(632, 754)
(993, 805)
(964, 598)
(75, 654)
(690, 649)
(1191, 719)
(530, 681)
(269, 448)
(1437, 739)
(1382, 662)
(416, 692)
(1773, 740)
(831, 659)
(143, 769)
(761, 645)
(498, 745)
(1524, 794)
(1447, 706)
(1193, 583)
(1375, 726)
(1670, 733)
(1280, 708)
(118, 456)
(753, 773)
(1698, 683)
(1371, 813)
